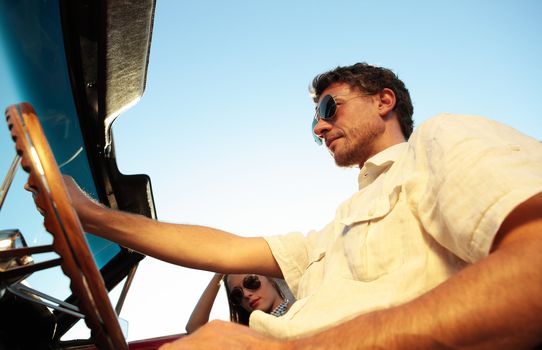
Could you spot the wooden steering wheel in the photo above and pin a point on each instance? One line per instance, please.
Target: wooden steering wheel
(61, 220)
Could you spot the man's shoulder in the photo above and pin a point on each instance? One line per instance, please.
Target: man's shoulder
(453, 134)
(442, 120)
(450, 127)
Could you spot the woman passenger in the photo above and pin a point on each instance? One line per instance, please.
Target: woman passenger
(246, 293)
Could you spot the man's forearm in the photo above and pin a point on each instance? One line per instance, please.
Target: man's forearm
(191, 246)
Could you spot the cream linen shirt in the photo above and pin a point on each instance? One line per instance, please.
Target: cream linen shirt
(424, 210)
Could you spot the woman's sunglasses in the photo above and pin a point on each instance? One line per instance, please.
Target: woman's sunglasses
(251, 282)
(326, 109)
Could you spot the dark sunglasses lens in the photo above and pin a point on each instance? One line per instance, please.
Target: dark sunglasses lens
(252, 282)
(327, 107)
(236, 295)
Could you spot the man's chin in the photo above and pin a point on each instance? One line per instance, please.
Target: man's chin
(345, 160)
(345, 163)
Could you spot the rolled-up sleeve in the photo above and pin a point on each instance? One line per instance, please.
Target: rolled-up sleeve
(290, 252)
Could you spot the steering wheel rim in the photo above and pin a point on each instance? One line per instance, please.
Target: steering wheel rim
(61, 220)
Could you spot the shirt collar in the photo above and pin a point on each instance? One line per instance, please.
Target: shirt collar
(379, 163)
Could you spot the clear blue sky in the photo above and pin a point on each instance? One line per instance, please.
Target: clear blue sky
(223, 128)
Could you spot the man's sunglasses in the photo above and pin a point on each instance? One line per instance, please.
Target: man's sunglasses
(326, 109)
(251, 282)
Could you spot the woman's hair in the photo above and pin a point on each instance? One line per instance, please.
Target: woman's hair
(237, 313)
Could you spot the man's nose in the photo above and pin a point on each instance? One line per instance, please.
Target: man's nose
(321, 128)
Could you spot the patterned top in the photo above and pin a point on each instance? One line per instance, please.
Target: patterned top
(281, 309)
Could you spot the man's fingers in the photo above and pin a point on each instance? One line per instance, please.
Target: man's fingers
(30, 185)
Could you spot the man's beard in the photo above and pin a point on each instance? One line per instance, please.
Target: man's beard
(358, 146)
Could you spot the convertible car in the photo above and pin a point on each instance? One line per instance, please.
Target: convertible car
(68, 68)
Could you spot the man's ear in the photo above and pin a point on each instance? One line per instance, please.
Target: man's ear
(386, 101)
